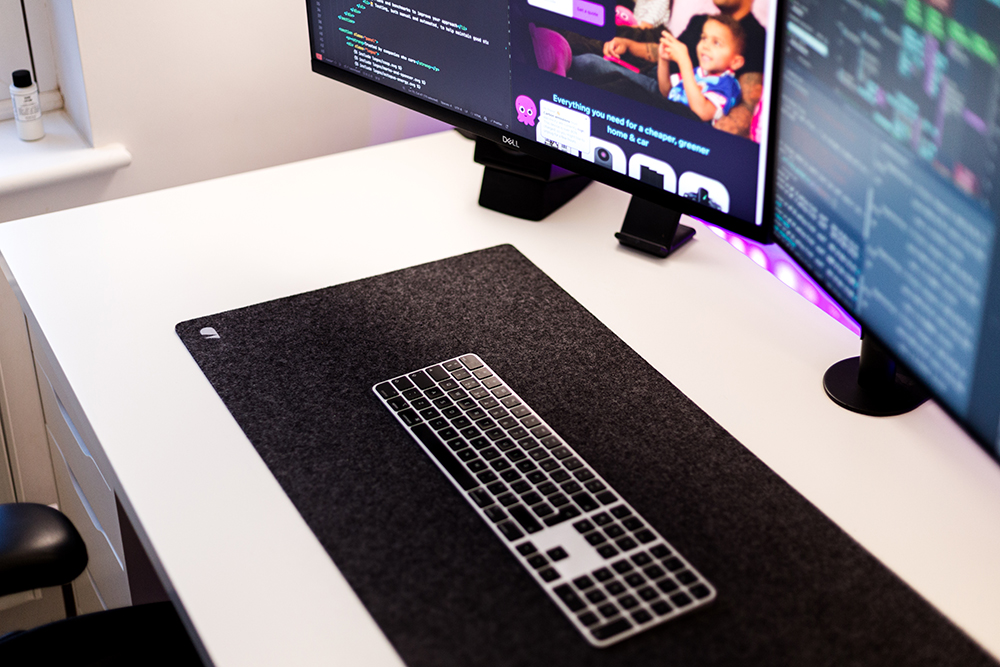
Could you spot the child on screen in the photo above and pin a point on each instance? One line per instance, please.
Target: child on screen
(711, 89)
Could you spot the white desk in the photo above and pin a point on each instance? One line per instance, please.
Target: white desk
(106, 284)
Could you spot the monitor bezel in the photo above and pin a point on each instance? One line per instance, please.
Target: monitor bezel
(760, 233)
(770, 184)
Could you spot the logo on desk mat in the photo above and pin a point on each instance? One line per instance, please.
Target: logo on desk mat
(209, 333)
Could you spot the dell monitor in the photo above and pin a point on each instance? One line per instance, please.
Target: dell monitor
(884, 150)
(665, 100)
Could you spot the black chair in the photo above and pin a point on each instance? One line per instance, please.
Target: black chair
(40, 547)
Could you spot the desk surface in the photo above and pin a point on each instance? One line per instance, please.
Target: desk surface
(106, 284)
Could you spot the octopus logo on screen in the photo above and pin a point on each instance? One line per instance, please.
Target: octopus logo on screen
(526, 110)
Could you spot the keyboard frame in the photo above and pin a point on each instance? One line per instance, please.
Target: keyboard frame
(568, 569)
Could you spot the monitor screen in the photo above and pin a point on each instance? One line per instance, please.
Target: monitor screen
(884, 154)
(662, 98)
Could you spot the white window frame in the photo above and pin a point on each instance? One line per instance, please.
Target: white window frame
(26, 43)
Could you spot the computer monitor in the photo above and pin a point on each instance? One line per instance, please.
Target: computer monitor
(884, 151)
(577, 84)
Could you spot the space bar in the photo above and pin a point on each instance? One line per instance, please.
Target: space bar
(444, 457)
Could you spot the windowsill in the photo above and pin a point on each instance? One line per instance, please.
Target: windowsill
(61, 155)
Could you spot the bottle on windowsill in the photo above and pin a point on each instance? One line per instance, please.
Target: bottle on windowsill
(27, 106)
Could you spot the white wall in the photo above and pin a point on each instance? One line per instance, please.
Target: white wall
(197, 89)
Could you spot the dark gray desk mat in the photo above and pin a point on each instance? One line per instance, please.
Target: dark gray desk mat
(297, 373)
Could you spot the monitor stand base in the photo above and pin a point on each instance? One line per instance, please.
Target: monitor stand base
(871, 384)
(523, 186)
(653, 229)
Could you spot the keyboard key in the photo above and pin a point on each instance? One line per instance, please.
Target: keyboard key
(557, 554)
(632, 523)
(524, 517)
(700, 591)
(686, 577)
(583, 526)
(499, 413)
(507, 499)
(467, 454)
(642, 616)
(517, 410)
(386, 390)
(438, 373)
(626, 544)
(681, 599)
(569, 597)
(615, 587)
(596, 538)
(500, 464)
(549, 574)
(596, 596)
(611, 629)
(572, 463)
(511, 401)
(477, 465)
(548, 465)
(526, 465)
(564, 514)
(583, 474)
(410, 418)
(673, 564)
(412, 394)
(543, 509)
(531, 497)
(620, 512)
(635, 580)
(603, 574)
(510, 531)
(402, 384)
(608, 610)
(461, 375)
(547, 488)
(660, 551)
(471, 361)
(561, 476)
(487, 476)
(451, 365)
(483, 373)
(628, 602)
(589, 618)
(531, 421)
(558, 500)
(648, 593)
(538, 561)
(421, 379)
(606, 497)
(510, 476)
(645, 536)
(602, 519)
(491, 382)
(667, 585)
(570, 487)
(654, 571)
(495, 514)
(622, 566)
(642, 559)
(561, 453)
(520, 487)
(482, 498)
(614, 531)
(583, 583)
(595, 486)
(526, 549)
(661, 608)
(397, 403)
(607, 551)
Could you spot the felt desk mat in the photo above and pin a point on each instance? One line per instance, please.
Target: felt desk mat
(296, 374)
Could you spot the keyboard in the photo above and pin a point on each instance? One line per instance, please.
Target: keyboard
(606, 568)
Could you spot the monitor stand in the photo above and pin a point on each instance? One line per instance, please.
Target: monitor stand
(653, 228)
(523, 186)
(871, 384)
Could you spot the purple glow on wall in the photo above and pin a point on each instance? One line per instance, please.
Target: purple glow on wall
(777, 262)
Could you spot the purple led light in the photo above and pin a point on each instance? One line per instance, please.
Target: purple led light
(779, 263)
